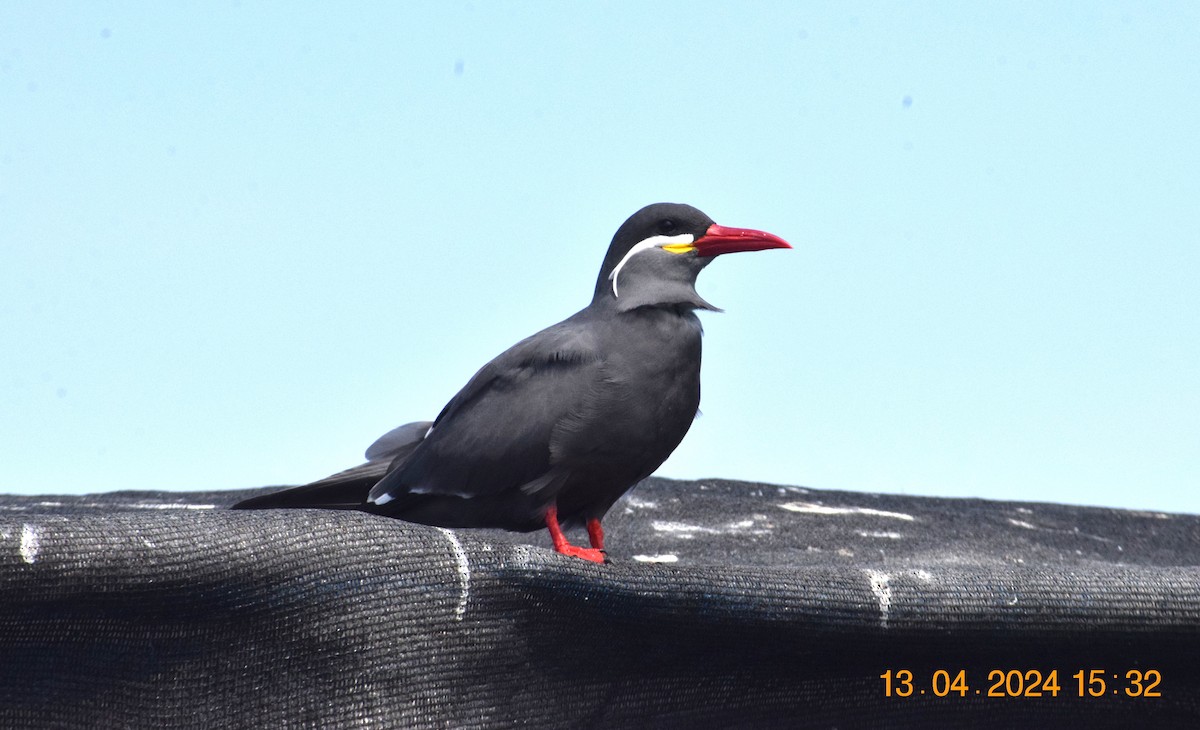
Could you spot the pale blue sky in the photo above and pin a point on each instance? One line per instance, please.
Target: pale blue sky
(238, 241)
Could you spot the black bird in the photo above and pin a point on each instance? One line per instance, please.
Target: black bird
(559, 426)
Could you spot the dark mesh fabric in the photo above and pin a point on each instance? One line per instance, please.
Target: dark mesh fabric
(727, 605)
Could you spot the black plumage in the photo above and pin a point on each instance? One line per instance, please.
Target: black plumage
(555, 429)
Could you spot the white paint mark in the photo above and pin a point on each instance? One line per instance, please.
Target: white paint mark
(1022, 523)
(668, 558)
(882, 591)
(820, 509)
(464, 572)
(881, 535)
(643, 245)
(30, 542)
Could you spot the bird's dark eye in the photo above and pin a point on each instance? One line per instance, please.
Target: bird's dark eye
(666, 227)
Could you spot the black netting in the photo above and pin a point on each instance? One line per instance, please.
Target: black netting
(726, 605)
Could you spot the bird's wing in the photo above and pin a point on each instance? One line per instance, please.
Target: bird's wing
(495, 434)
(400, 441)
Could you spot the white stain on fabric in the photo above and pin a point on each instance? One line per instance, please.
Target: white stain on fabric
(881, 535)
(668, 558)
(464, 572)
(1022, 523)
(883, 592)
(682, 529)
(30, 543)
(786, 490)
(820, 509)
(686, 531)
(1151, 515)
(162, 505)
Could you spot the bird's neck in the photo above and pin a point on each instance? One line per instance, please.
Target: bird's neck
(676, 296)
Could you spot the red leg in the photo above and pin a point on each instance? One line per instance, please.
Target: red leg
(560, 540)
(595, 533)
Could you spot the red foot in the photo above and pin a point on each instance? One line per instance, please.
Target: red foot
(594, 553)
(595, 533)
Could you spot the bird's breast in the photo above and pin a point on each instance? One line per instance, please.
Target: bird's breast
(650, 390)
(638, 412)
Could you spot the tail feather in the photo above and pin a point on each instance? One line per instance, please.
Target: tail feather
(351, 488)
(344, 490)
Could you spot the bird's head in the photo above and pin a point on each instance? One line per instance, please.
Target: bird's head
(655, 256)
